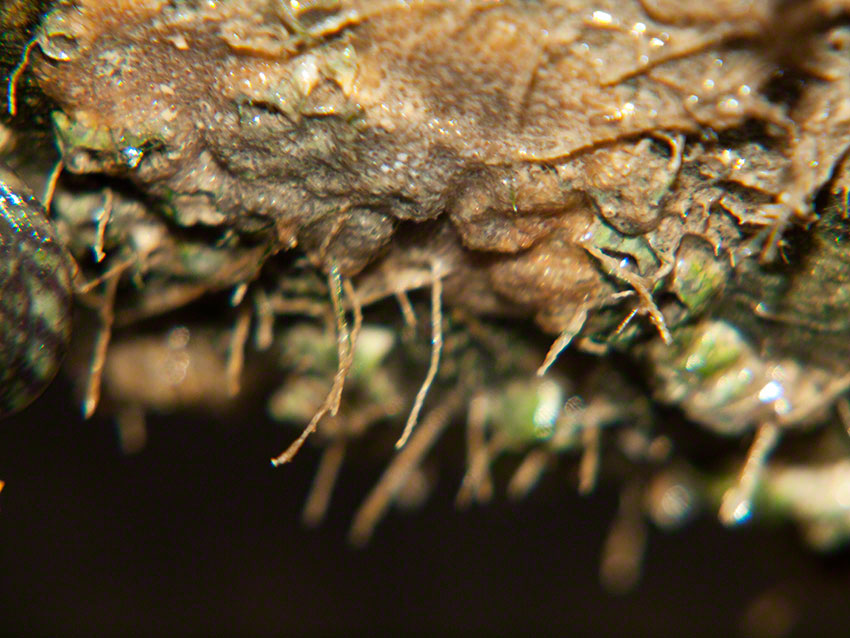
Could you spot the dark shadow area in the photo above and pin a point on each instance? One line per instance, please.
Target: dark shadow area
(199, 535)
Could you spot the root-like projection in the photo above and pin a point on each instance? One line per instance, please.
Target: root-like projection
(106, 312)
(102, 222)
(236, 350)
(622, 555)
(323, 483)
(12, 87)
(477, 484)
(640, 286)
(392, 481)
(436, 349)
(588, 469)
(333, 455)
(563, 340)
(407, 312)
(477, 453)
(577, 323)
(736, 505)
(52, 181)
(528, 473)
(737, 501)
(264, 333)
(346, 344)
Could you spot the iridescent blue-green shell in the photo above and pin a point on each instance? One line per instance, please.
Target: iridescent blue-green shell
(35, 297)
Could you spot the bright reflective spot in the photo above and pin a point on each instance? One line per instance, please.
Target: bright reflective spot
(601, 17)
(132, 156)
(772, 391)
(550, 398)
(736, 509)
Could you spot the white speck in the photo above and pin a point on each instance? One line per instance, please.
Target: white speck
(639, 28)
(741, 512)
(656, 43)
(772, 391)
(601, 17)
(736, 507)
(16, 200)
(132, 156)
(708, 84)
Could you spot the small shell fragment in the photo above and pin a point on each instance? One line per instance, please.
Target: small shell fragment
(35, 296)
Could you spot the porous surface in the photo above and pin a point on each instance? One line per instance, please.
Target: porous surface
(531, 127)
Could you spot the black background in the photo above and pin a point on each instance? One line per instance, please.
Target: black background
(199, 535)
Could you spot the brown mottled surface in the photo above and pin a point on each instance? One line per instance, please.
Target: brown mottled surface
(516, 121)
